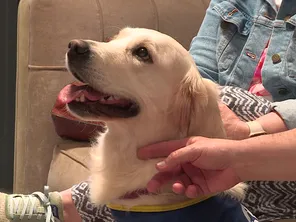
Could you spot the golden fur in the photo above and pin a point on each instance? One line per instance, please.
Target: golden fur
(175, 102)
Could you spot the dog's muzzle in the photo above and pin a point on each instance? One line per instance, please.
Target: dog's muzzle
(78, 50)
(78, 56)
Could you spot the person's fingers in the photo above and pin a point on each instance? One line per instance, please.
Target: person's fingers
(195, 174)
(192, 191)
(158, 180)
(192, 171)
(162, 178)
(153, 186)
(198, 177)
(178, 188)
(184, 179)
(179, 157)
(180, 184)
(180, 181)
(163, 149)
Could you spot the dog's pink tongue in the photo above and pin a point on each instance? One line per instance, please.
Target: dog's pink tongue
(69, 93)
(74, 90)
(92, 95)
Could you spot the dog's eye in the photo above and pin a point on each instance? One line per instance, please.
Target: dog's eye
(142, 54)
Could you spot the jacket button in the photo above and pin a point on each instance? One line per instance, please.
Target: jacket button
(266, 15)
(235, 10)
(276, 58)
(282, 91)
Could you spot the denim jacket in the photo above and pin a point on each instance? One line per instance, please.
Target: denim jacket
(232, 38)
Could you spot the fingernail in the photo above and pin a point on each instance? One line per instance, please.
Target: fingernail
(161, 164)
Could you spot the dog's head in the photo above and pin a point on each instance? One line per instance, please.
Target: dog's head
(138, 68)
(139, 72)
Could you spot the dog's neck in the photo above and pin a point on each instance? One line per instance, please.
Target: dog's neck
(118, 170)
(144, 130)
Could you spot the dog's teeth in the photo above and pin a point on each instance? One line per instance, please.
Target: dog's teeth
(82, 98)
(109, 98)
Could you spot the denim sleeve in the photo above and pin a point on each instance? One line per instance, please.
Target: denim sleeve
(203, 46)
(286, 109)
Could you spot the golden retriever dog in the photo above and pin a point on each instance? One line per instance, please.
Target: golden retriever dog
(145, 86)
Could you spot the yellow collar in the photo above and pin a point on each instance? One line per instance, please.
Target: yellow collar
(157, 208)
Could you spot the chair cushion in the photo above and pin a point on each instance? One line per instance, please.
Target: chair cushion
(69, 165)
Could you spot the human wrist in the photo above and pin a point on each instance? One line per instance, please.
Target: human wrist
(255, 129)
(243, 163)
(69, 210)
(267, 124)
(272, 123)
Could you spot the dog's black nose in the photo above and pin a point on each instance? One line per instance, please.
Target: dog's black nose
(78, 47)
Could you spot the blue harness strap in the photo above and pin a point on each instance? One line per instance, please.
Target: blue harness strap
(214, 209)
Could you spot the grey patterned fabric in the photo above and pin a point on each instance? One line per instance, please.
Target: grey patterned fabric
(88, 211)
(245, 105)
(267, 200)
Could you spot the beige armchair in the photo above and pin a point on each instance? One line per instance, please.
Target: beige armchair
(44, 29)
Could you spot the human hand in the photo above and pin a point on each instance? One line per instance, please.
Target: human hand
(196, 165)
(235, 128)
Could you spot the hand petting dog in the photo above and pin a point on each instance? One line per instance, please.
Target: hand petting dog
(197, 165)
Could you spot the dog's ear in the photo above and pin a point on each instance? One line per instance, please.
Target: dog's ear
(195, 108)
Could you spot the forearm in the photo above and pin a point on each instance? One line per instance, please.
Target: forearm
(268, 157)
(275, 122)
(272, 123)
